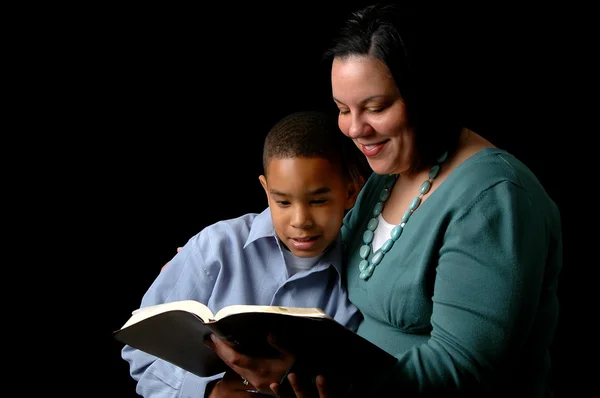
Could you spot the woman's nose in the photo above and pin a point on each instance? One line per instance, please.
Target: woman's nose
(358, 128)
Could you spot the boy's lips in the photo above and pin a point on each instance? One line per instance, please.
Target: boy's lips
(305, 239)
(304, 243)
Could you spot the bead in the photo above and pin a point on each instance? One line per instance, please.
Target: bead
(377, 257)
(391, 181)
(362, 266)
(442, 158)
(365, 250)
(368, 236)
(372, 225)
(396, 232)
(377, 209)
(406, 216)
(365, 267)
(434, 171)
(385, 194)
(415, 203)
(387, 245)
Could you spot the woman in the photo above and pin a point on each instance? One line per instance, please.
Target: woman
(453, 248)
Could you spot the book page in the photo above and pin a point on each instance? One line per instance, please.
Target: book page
(294, 311)
(195, 307)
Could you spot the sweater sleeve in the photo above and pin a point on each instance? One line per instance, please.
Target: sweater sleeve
(489, 276)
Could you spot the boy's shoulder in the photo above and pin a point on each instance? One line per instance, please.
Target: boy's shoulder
(241, 228)
(242, 223)
(244, 219)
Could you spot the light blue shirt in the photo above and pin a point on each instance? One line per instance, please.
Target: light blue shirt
(236, 261)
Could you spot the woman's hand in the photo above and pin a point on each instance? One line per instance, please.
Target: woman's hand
(263, 373)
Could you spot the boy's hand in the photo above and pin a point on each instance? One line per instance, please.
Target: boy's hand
(300, 391)
(260, 372)
(232, 385)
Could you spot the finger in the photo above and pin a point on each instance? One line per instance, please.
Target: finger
(322, 387)
(209, 343)
(275, 388)
(295, 384)
(239, 363)
(179, 249)
(226, 352)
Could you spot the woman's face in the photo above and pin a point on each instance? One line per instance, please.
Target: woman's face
(372, 112)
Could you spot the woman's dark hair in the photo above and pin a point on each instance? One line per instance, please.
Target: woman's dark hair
(389, 33)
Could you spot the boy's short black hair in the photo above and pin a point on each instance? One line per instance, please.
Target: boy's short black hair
(315, 134)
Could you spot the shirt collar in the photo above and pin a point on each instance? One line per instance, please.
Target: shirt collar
(262, 227)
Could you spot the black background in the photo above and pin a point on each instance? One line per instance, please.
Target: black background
(176, 103)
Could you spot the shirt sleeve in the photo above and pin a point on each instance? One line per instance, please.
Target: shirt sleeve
(488, 282)
(160, 379)
(185, 277)
(346, 313)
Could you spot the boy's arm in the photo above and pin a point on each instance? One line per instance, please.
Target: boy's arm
(159, 379)
(183, 278)
(344, 312)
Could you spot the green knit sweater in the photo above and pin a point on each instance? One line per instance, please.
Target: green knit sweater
(466, 298)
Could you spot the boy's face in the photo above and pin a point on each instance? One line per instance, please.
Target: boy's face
(308, 199)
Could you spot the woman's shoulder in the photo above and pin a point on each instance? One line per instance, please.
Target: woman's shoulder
(490, 166)
(487, 169)
(477, 161)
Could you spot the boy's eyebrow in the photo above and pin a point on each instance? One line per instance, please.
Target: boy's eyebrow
(318, 191)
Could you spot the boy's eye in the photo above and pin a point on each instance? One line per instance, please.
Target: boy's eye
(283, 203)
(318, 202)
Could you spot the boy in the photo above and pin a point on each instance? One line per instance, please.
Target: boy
(288, 255)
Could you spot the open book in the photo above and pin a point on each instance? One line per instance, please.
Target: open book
(175, 332)
(206, 315)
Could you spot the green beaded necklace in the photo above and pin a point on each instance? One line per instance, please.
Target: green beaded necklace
(367, 268)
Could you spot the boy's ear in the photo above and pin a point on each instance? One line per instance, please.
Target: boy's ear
(353, 190)
(263, 182)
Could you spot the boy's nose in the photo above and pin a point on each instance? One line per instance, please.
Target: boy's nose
(302, 218)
